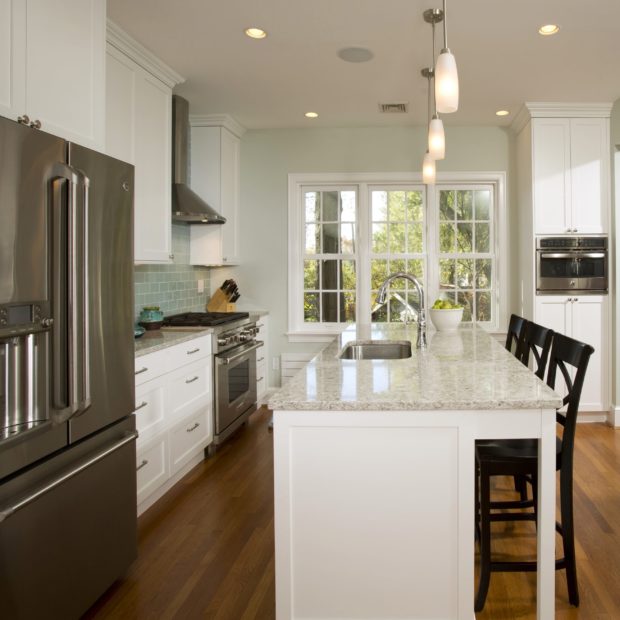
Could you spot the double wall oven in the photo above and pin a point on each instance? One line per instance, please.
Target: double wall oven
(572, 265)
(234, 347)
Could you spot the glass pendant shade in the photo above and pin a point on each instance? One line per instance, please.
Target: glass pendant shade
(446, 83)
(436, 139)
(428, 169)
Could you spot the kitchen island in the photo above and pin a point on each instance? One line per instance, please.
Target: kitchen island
(374, 475)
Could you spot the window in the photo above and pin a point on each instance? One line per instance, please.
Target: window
(347, 233)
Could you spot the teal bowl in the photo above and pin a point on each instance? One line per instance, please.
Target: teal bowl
(150, 315)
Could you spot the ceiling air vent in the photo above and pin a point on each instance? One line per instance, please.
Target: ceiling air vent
(393, 108)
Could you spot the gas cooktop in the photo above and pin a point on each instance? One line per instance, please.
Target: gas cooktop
(203, 319)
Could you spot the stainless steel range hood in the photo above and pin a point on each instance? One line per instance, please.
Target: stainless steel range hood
(187, 206)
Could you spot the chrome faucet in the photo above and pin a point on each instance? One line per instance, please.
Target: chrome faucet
(382, 295)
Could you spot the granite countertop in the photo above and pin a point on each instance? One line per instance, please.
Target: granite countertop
(466, 369)
(158, 339)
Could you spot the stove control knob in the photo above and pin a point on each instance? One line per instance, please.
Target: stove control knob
(243, 337)
(222, 341)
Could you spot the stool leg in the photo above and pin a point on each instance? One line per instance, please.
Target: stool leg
(568, 537)
(485, 540)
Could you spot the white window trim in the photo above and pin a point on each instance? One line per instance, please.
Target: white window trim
(324, 333)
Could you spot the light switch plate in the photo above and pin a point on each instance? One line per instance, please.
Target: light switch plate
(201, 286)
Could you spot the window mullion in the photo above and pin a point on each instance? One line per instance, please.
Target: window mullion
(363, 306)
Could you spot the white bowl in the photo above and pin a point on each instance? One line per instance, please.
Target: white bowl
(446, 320)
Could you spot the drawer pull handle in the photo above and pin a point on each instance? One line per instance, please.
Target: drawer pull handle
(191, 380)
(139, 372)
(260, 359)
(143, 464)
(193, 428)
(259, 325)
(260, 379)
(193, 351)
(144, 403)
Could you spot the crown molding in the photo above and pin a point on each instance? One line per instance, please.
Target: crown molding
(545, 109)
(125, 43)
(217, 120)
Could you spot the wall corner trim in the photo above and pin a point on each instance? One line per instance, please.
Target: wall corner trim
(217, 120)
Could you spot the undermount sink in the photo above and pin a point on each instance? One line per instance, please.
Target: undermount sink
(376, 350)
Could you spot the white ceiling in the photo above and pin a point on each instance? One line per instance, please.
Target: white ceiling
(502, 60)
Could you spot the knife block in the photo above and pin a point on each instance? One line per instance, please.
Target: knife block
(219, 303)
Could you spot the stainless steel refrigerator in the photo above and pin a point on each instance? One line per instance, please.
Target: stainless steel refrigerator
(67, 434)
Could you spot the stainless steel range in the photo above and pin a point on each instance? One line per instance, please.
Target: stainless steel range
(234, 365)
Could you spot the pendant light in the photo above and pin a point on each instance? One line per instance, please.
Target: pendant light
(428, 163)
(436, 133)
(446, 76)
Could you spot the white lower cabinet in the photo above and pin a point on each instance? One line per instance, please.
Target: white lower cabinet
(262, 367)
(173, 415)
(584, 318)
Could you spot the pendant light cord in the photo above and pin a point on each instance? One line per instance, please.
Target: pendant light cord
(433, 70)
(445, 27)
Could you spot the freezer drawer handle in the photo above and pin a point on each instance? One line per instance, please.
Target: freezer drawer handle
(7, 512)
(193, 428)
(191, 380)
(144, 463)
(139, 372)
(193, 351)
(143, 404)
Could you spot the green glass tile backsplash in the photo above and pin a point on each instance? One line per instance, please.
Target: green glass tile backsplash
(173, 287)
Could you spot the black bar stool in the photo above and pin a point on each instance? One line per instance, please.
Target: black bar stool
(537, 341)
(519, 457)
(516, 329)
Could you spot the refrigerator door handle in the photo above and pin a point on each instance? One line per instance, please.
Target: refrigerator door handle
(5, 513)
(71, 374)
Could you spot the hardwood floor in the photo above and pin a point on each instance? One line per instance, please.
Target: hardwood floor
(206, 548)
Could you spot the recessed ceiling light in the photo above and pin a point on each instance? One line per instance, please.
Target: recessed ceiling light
(355, 54)
(255, 33)
(502, 113)
(548, 29)
(311, 115)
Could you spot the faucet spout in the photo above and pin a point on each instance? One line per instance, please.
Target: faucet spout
(382, 295)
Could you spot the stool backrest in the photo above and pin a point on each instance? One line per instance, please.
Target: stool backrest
(516, 328)
(537, 340)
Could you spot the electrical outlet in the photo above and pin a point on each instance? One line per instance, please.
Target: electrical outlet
(201, 286)
(275, 363)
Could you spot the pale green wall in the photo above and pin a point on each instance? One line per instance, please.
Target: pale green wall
(615, 176)
(268, 156)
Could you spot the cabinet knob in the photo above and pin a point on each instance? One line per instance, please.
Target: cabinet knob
(36, 124)
(23, 120)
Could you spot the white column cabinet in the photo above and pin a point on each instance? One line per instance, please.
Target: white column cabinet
(570, 175)
(584, 318)
(52, 66)
(139, 131)
(215, 177)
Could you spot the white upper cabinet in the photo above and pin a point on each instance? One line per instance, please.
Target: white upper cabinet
(570, 175)
(52, 66)
(215, 177)
(139, 131)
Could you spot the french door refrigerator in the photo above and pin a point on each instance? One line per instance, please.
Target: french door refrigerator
(67, 434)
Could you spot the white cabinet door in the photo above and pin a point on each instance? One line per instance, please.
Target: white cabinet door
(554, 311)
(589, 325)
(551, 175)
(138, 130)
(215, 165)
(12, 58)
(589, 174)
(65, 68)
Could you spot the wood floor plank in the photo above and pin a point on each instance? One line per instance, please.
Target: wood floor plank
(206, 548)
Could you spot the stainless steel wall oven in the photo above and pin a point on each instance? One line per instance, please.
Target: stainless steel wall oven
(572, 265)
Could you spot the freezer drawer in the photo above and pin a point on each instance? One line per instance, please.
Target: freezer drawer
(68, 527)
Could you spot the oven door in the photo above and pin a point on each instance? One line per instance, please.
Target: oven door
(235, 384)
(565, 272)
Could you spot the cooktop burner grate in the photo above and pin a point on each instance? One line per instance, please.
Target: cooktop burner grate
(207, 319)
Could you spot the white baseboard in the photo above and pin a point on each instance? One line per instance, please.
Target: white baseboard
(613, 417)
(589, 417)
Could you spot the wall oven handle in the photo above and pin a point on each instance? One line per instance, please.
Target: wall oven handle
(574, 255)
(230, 358)
(5, 513)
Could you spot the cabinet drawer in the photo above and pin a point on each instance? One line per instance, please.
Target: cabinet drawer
(188, 352)
(188, 390)
(150, 366)
(189, 437)
(149, 409)
(152, 467)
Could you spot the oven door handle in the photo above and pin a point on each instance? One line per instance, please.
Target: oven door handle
(229, 358)
(573, 254)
